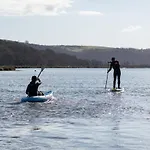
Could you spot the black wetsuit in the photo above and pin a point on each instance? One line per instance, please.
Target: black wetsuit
(117, 73)
(32, 88)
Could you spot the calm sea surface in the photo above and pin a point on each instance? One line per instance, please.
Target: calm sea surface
(83, 116)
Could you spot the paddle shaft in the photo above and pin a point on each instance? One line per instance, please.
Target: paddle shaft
(106, 77)
(40, 72)
(106, 81)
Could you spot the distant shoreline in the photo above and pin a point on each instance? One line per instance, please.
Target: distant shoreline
(7, 68)
(105, 66)
(12, 68)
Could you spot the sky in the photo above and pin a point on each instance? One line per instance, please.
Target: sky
(113, 23)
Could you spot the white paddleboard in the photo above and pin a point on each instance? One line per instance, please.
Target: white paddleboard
(117, 90)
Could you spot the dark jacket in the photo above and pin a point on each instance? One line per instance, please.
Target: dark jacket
(32, 88)
(116, 66)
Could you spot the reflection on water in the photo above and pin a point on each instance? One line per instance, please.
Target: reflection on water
(83, 116)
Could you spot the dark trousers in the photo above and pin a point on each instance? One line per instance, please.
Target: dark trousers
(116, 75)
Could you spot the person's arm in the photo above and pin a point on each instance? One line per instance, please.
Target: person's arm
(39, 81)
(27, 90)
(109, 68)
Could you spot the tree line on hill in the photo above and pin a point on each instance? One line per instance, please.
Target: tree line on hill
(128, 57)
(19, 54)
(23, 55)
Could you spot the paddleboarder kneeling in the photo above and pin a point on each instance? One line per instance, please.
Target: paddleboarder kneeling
(117, 73)
(32, 88)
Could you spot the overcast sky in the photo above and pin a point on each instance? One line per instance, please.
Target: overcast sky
(116, 23)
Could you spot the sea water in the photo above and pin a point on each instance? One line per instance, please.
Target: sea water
(84, 115)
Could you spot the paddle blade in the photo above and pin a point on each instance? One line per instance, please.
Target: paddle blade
(41, 71)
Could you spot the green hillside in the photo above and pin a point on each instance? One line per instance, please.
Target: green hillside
(23, 55)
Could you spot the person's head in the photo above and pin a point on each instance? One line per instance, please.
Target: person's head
(33, 78)
(113, 58)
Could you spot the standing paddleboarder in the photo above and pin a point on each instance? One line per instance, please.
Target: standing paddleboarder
(117, 73)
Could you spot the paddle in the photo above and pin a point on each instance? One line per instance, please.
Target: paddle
(106, 78)
(41, 71)
(106, 81)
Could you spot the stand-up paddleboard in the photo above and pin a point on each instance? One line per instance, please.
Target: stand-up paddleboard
(116, 90)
